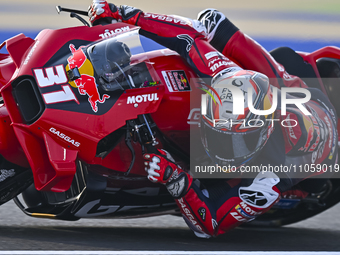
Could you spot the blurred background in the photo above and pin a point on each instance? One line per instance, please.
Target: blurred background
(303, 25)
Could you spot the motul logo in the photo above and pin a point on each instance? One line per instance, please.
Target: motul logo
(142, 98)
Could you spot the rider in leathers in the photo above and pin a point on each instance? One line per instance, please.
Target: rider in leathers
(214, 210)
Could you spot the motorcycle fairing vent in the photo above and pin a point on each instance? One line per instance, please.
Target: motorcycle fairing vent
(28, 99)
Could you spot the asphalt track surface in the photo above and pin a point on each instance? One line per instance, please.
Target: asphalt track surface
(21, 232)
(303, 23)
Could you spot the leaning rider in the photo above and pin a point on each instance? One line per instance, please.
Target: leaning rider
(214, 209)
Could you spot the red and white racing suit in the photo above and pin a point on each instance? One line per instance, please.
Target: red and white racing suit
(215, 209)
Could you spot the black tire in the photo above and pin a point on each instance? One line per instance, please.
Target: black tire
(280, 217)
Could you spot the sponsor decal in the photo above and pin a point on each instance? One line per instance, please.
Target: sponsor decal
(308, 124)
(242, 212)
(86, 84)
(176, 81)
(212, 54)
(255, 198)
(238, 217)
(6, 174)
(194, 116)
(165, 18)
(142, 98)
(332, 143)
(317, 136)
(220, 63)
(95, 208)
(63, 136)
(31, 53)
(109, 33)
(188, 214)
(202, 212)
(329, 131)
(54, 76)
(246, 211)
(293, 132)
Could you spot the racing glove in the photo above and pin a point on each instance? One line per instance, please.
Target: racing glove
(161, 168)
(101, 11)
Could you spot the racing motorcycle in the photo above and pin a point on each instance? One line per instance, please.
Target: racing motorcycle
(73, 133)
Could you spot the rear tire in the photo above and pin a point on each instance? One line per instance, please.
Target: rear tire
(305, 210)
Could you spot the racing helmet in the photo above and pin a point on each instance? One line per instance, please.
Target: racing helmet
(236, 139)
(117, 53)
(109, 59)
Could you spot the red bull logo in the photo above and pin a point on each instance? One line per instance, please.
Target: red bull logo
(86, 84)
(183, 80)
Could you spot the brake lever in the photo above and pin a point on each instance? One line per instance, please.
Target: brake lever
(74, 15)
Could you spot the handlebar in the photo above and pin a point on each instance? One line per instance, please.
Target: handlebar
(62, 9)
(74, 14)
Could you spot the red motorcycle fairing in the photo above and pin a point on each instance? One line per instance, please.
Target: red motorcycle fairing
(53, 139)
(53, 136)
(17, 46)
(72, 133)
(7, 68)
(173, 116)
(10, 147)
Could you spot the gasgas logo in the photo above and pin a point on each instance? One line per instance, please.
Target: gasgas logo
(63, 136)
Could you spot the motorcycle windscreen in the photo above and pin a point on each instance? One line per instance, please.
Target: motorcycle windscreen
(114, 61)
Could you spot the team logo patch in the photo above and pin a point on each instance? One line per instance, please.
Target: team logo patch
(202, 213)
(4, 174)
(86, 83)
(253, 197)
(243, 213)
(176, 81)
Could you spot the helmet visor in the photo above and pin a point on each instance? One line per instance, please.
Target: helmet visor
(231, 147)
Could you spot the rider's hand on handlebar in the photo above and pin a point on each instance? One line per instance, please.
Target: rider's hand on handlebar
(101, 11)
(160, 167)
